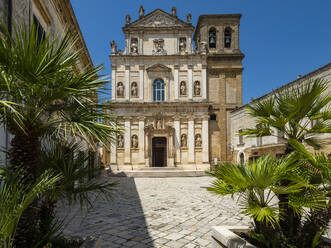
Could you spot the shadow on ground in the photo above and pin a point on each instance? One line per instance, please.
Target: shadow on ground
(119, 223)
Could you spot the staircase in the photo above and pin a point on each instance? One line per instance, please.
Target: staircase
(158, 172)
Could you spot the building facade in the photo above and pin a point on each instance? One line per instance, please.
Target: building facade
(172, 98)
(245, 149)
(52, 17)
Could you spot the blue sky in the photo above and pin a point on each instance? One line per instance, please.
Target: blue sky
(280, 38)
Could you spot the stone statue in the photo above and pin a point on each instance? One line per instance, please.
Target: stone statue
(120, 89)
(203, 46)
(183, 140)
(158, 47)
(134, 141)
(182, 45)
(127, 19)
(120, 141)
(141, 11)
(134, 89)
(189, 18)
(134, 46)
(197, 88)
(182, 88)
(174, 11)
(159, 124)
(198, 141)
(113, 46)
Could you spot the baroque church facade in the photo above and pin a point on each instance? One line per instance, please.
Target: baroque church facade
(174, 99)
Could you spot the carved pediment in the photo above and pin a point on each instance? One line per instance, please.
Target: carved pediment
(158, 68)
(158, 19)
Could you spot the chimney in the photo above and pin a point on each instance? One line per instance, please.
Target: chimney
(174, 11)
(141, 11)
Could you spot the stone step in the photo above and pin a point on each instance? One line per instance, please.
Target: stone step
(160, 169)
(158, 173)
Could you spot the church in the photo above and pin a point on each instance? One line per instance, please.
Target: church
(174, 96)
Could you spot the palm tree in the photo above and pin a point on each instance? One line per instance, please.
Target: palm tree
(289, 114)
(50, 100)
(258, 187)
(15, 199)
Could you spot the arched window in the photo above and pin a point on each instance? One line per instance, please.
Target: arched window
(158, 90)
(227, 38)
(212, 38)
(242, 158)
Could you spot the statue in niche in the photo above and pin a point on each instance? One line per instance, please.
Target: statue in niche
(182, 88)
(120, 89)
(197, 88)
(182, 45)
(113, 46)
(198, 141)
(183, 140)
(158, 124)
(134, 89)
(158, 47)
(134, 141)
(120, 141)
(134, 46)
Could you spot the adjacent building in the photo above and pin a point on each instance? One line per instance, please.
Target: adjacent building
(174, 98)
(53, 17)
(245, 149)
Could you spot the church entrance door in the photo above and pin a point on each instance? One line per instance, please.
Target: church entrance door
(159, 152)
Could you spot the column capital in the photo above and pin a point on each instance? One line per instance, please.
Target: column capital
(176, 67)
(190, 66)
(141, 67)
(113, 67)
(127, 67)
(204, 66)
(141, 118)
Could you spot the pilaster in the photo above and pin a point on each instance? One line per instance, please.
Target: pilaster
(177, 139)
(141, 140)
(190, 141)
(113, 82)
(127, 82)
(113, 151)
(127, 141)
(205, 139)
(176, 79)
(190, 82)
(204, 82)
(141, 82)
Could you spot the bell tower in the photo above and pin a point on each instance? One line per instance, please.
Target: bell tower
(217, 34)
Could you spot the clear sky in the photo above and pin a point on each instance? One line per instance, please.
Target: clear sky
(280, 38)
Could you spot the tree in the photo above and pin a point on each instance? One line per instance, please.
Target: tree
(289, 114)
(50, 100)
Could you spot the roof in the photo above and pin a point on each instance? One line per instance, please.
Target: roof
(158, 19)
(292, 83)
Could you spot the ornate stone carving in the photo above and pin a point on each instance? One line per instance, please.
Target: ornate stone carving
(120, 141)
(182, 88)
(197, 89)
(120, 89)
(159, 124)
(134, 89)
(158, 47)
(198, 141)
(159, 20)
(182, 45)
(183, 140)
(134, 46)
(113, 46)
(134, 141)
(204, 49)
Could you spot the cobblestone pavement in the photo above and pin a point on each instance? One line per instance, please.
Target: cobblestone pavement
(156, 212)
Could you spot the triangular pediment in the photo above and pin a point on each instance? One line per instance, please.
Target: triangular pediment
(158, 68)
(158, 19)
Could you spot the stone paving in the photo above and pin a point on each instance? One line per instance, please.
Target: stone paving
(156, 212)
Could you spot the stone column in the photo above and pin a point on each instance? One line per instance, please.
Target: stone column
(140, 43)
(147, 135)
(127, 82)
(176, 78)
(141, 141)
(190, 141)
(127, 141)
(220, 38)
(204, 82)
(171, 162)
(189, 44)
(177, 139)
(113, 82)
(205, 140)
(141, 84)
(190, 82)
(113, 151)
